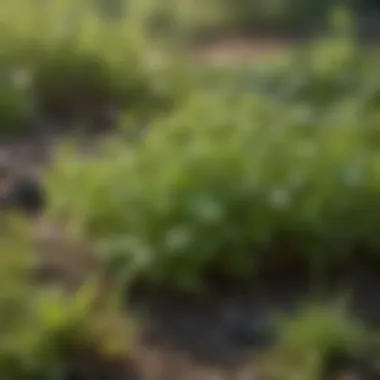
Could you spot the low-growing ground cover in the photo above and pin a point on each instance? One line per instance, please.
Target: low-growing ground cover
(48, 332)
(64, 63)
(218, 183)
(240, 179)
(273, 168)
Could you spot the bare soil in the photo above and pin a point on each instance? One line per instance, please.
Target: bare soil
(225, 335)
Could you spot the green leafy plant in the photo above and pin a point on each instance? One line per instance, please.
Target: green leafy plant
(310, 339)
(81, 67)
(48, 332)
(216, 184)
(16, 102)
(213, 186)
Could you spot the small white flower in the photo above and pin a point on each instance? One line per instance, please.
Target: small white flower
(21, 78)
(353, 176)
(178, 238)
(280, 198)
(208, 210)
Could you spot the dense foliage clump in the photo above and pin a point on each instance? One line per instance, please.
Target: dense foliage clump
(318, 342)
(48, 332)
(62, 61)
(234, 171)
(218, 182)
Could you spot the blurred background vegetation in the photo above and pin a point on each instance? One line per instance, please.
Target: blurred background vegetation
(269, 164)
(217, 18)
